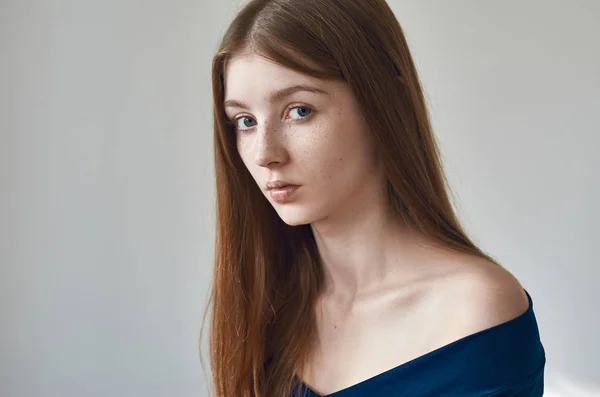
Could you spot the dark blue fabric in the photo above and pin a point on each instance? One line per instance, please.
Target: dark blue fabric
(506, 360)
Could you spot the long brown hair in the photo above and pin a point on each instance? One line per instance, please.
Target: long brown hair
(267, 274)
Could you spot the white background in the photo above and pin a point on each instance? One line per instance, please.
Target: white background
(106, 178)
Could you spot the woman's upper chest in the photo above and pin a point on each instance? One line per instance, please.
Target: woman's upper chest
(354, 345)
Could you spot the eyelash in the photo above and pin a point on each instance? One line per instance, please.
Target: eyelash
(312, 111)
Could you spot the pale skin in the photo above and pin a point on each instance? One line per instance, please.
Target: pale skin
(391, 294)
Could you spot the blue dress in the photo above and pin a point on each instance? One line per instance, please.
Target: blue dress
(506, 360)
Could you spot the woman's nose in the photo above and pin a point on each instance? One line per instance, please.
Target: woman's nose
(268, 146)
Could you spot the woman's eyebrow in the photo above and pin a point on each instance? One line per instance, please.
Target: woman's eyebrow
(279, 95)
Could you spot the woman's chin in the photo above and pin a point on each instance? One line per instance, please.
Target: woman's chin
(295, 216)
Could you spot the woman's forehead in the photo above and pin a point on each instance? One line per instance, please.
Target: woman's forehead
(257, 70)
(257, 77)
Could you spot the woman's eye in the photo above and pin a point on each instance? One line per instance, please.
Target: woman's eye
(302, 111)
(246, 122)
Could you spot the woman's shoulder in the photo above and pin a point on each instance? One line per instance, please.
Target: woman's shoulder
(479, 294)
(491, 340)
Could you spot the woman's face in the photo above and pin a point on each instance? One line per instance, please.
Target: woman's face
(303, 131)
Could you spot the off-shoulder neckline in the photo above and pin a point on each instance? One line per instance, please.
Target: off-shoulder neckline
(452, 345)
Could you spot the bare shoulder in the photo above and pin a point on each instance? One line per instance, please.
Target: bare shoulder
(481, 295)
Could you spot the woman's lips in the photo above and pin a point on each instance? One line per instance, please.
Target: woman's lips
(284, 193)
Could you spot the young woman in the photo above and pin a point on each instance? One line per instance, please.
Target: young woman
(340, 266)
